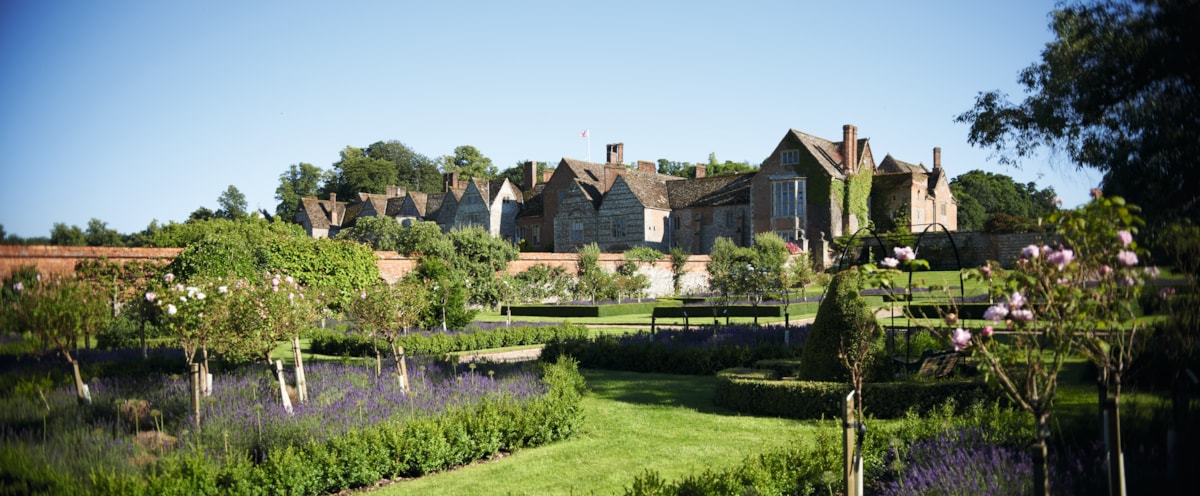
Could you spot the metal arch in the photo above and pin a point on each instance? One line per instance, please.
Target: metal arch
(849, 244)
(958, 260)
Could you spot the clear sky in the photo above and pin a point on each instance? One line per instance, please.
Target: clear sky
(129, 111)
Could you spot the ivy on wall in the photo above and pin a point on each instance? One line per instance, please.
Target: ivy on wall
(859, 188)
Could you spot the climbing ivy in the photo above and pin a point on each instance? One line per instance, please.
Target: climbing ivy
(858, 187)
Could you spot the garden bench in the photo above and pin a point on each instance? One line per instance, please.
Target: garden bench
(932, 364)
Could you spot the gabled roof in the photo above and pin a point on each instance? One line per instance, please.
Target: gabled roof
(419, 201)
(890, 165)
(483, 186)
(712, 191)
(829, 153)
(587, 172)
(591, 192)
(351, 215)
(319, 212)
(534, 206)
(433, 205)
(382, 204)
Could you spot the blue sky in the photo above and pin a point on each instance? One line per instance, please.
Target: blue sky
(129, 111)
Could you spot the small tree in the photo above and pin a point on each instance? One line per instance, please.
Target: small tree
(592, 279)
(389, 311)
(679, 260)
(58, 311)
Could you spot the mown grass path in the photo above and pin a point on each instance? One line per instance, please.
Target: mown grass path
(633, 422)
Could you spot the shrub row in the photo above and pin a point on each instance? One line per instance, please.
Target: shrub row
(643, 353)
(343, 343)
(580, 311)
(364, 457)
(746, 393)
(739, 310)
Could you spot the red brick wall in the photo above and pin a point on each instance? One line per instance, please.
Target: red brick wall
(62, 259)
(392, 266)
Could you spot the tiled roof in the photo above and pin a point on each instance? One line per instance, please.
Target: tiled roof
(649, 188)
(482, 185)
(319, 212)
(351, 215)
(713, 191)
(533, 204)
(433, 205)
(829, 153)
(890, 165)
(419, 201)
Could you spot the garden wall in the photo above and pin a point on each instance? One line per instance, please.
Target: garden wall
(392, 266)
(974, 248)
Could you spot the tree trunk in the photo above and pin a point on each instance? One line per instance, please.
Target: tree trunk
(145, 354)
(301, 384)
(195, 382)
(81, 392)
(1041, 472)
(1112, 438)
(401, 366)
(283, 395)
(378, 358)
(205, 382)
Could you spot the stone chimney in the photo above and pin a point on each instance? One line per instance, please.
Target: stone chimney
(850, 148)
(646, 166)
(937, 157)
(333, 209)
(392, 190)
(616, 153)
(700, 170)
(530, 177)
(546, 175)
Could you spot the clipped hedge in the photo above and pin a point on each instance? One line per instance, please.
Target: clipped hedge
(970, 311)
(643, 352)
(579, 311)
(361, 458)
(342, 343)
(747, 393)
(739, 310)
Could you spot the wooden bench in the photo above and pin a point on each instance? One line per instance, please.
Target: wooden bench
(932, 364)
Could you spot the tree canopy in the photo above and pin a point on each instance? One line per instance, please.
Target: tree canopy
(982, 196)
(299, 181)
(469, 162)
(1117, 91)
(232, 204)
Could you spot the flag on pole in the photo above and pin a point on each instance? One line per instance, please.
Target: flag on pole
(584, 134)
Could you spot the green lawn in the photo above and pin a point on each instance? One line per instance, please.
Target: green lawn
(633, 422)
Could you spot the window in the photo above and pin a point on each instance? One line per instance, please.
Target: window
(576, 231)
(537, 235)
(788, 198)
(729, 218)
(789, 157)
(618, 227)
(787, 236)
(943, 210)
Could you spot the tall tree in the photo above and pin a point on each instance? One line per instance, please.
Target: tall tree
(356, 172)
(99, 234)
(232, 204)
(468, 161)
(63, 235)
(414, 171)
(983, 195)
(1117, 90)
(299, 181)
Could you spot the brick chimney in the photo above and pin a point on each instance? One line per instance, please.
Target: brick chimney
(646, 166)
(850, 148)
(937, 157)
(616, 153)
(449, 181)
(530, 178)
(700, 170)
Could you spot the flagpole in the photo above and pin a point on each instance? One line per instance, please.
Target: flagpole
(589, 138)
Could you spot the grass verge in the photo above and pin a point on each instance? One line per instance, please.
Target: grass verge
(633, 422)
